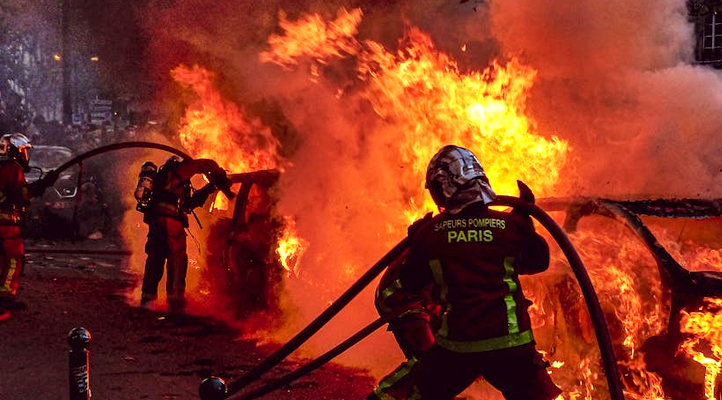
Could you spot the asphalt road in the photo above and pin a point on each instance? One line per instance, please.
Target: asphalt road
(134, 353)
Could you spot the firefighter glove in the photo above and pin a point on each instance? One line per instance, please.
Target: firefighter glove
(418, 224)
(525, 192)
(527, 195)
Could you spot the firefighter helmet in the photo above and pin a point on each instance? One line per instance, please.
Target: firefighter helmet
(14, 146)
(452, 168)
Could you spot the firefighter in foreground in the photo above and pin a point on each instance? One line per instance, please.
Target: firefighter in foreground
(467, 259)
(164, 196)
(15, 193)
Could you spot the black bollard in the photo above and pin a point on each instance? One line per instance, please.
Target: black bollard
(213, 388)
(79, 365)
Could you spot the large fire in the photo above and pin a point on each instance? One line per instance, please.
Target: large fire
(216, 128)
(422, 93)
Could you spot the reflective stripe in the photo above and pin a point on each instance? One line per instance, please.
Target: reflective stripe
(478, 346)
(435, 266)
(511, 320)
(11, 272)
(423, 313)
(383, 295)
(391, 289)
(393, 378)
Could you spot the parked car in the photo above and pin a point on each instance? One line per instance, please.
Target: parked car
(73, 206)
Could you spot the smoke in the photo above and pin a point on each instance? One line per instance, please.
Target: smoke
(615, 80)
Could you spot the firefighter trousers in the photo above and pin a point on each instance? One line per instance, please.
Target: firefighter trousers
(519, 373)
(12, 252)
(413, 334)
(166, 247)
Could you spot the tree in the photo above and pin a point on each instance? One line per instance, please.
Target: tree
(29, 64)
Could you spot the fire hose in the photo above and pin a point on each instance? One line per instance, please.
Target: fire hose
(214, 388)
(117, 146)
(126, 145)
(226, 189)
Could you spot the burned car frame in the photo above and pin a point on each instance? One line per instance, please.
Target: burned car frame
(686, 290)
(243, 266)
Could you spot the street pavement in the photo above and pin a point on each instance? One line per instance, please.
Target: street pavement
(134, 353)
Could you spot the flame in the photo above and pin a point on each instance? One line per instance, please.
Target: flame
(311, 36)
(422, 93)
(706, 327)
(290, 247)
(434, 104)
(216, 128)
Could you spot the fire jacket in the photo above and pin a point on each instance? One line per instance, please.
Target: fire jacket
(14, 191)
(171, 188)
(471, 261)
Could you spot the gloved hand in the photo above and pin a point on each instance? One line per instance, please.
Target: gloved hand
(220, 179)
(50, 178)
(525, 194)
(413, 228)
(413, 335)
(199, 197)
(38, 187)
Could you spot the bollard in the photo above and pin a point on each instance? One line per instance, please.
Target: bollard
(212, 388)
(79, 366)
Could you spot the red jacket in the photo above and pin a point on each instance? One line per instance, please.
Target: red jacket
(14, 192)
(471, 261)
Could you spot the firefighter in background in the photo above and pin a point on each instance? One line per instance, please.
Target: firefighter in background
(164, 196)
(469, 258)
(14, 195)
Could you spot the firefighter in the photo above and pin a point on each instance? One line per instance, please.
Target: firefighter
(15, 193)
(469, 258)
(165, 198)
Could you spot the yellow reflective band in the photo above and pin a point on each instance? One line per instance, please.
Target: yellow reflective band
(383, 295)
(11, 271)
(435, 266)
(478, 346)
(512, 321)
(390, 290)
(393, 378)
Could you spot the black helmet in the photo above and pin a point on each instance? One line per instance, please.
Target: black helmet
(14, 146)
(452, 168)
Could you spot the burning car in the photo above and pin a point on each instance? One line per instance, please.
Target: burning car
(243, 265)
(660, 301)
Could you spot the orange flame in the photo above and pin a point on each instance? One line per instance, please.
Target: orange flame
(290, 246)
(706, 327)
(422, 93)
(313, 37)
(216, 128)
